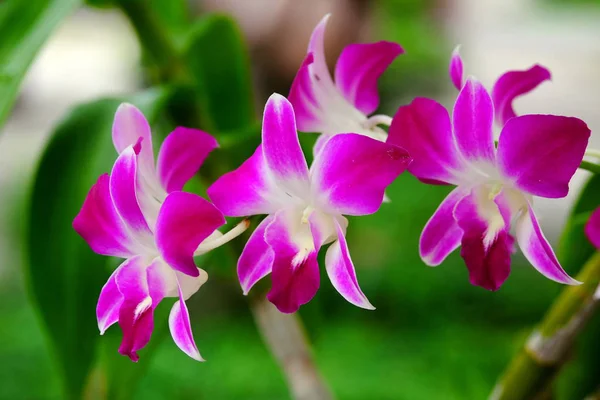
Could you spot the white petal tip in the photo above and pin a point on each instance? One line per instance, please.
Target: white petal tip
(573, 282)
(196, 356)
(456, 49)
(368, 306)
(427, 260)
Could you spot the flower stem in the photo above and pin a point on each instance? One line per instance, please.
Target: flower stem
(168, 61)
(592, 153)
(589, 166)
(531, 372)
(155, 40)
(379, 119)
(284, 336)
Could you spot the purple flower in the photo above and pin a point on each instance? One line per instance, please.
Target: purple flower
(139, 212)
(536, 156)
(592, 228)
(509, 86)
(324, 106)
(305, 206)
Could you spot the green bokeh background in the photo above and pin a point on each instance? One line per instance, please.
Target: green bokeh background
(433, 335)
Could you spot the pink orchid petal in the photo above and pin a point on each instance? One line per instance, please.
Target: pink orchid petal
(136, 312)
(423, 129)
(184, 221)
(592, 228)
(352, 171)
(128, 127)
(341, 272)
(304, 99)
(320, 143)
(181, 329)
(358, 69)
(281, 147)
(316, 46)
(540, 153)
(488, 263)
(99, 224)
(181, 155)
(513, 84)
(538, 251)
(441, 235)
(109, 304)
(455, 69)
(124, 192)
(473, 118)
(295, 274)
(257, 257)
(245, 191)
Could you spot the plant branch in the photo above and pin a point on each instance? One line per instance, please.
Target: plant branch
(284, 336)
(589, 166)
(531, 372)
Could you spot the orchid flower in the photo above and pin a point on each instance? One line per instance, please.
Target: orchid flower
(592, 228)
(324, 106)
(507, 88)
(305, 207)
(536, 156)
(139, 213)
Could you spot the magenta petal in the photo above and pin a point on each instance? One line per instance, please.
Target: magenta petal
(99, 224)
(181, 155)
(184, 221)
(128, 127)
(423, 129)
(540, 153)
(455, 69)
(352, 171)
(488, 263)
(245, 191)
(316, 46)
(257, 257)
(135, 314)
(342, 275)
(181, 329)
(295, 274)
(473, 119)
(592, 228)
(281, 147)
(304, 99)
(513, 84)
(441, 235)
(538, 251)
(109, 304)
(359, 67)
(320, 143)
(124, 192)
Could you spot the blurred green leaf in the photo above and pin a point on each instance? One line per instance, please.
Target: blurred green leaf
(219, 61)
(65, 276)
(579, 376)
(24, 27)
(574, 248)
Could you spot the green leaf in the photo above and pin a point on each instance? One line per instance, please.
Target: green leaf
(24, 27)
(579, 376)
(64, 275)
(574, 248)
(218, 60)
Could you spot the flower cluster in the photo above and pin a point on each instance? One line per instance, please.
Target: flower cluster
(139, 211)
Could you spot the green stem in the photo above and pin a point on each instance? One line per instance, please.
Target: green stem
(531, 372)
(155, 40)
(285, 337)
(589, 166)
(188, 107)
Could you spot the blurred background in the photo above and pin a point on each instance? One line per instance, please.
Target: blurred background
(433, 335)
